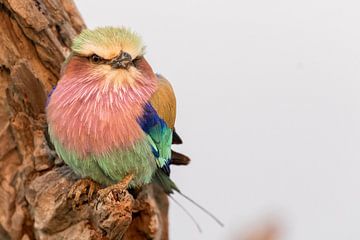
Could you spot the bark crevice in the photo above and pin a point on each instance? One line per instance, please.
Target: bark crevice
(35, 37)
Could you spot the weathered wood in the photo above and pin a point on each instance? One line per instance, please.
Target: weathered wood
(35, 37)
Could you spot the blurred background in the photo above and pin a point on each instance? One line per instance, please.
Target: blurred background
(268, 108)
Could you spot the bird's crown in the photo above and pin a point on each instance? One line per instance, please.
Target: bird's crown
(108, 42)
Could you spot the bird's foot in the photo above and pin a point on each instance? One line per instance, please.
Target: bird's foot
(118, 187)
(82, 186)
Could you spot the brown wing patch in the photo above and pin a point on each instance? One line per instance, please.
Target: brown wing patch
(164, 101)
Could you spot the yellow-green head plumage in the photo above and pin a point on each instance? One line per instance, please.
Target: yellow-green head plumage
(108, 42)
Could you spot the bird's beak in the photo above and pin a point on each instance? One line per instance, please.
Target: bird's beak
(122, 61)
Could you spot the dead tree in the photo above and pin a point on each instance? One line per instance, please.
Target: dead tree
(35, 36)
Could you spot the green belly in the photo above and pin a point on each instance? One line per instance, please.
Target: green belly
(110, 168)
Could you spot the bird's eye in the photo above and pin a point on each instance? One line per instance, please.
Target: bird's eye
(95, 58)
(135, 62)
(126, 55)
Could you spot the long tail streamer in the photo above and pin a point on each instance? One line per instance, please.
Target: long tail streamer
(187, 213)
(203, 209)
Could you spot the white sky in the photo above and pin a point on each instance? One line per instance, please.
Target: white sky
(268, 107)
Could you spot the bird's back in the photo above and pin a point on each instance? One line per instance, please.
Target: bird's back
(164, 101)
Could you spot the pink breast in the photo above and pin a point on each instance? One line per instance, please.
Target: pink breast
(90, 117)
(89, 121)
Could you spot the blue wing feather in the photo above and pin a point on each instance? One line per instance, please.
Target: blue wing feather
(160, 136)
(49, 95)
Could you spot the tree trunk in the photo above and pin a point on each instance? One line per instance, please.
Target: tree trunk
(35, 37)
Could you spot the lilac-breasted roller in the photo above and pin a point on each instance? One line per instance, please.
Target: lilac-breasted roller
(110, 118)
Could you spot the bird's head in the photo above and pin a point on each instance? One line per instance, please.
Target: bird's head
(108, 56)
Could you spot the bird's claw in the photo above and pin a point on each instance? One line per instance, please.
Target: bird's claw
(82, 186)
(119, 187)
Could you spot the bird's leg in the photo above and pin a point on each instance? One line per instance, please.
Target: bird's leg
(119, 187)
(82, 186)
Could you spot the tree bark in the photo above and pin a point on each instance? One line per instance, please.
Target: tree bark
(35, 37)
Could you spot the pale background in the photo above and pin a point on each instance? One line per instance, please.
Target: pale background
(268, 107)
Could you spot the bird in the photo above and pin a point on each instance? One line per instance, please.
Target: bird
(104, 113)
(110, 117)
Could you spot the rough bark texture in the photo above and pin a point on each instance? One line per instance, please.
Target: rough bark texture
(35, 36)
